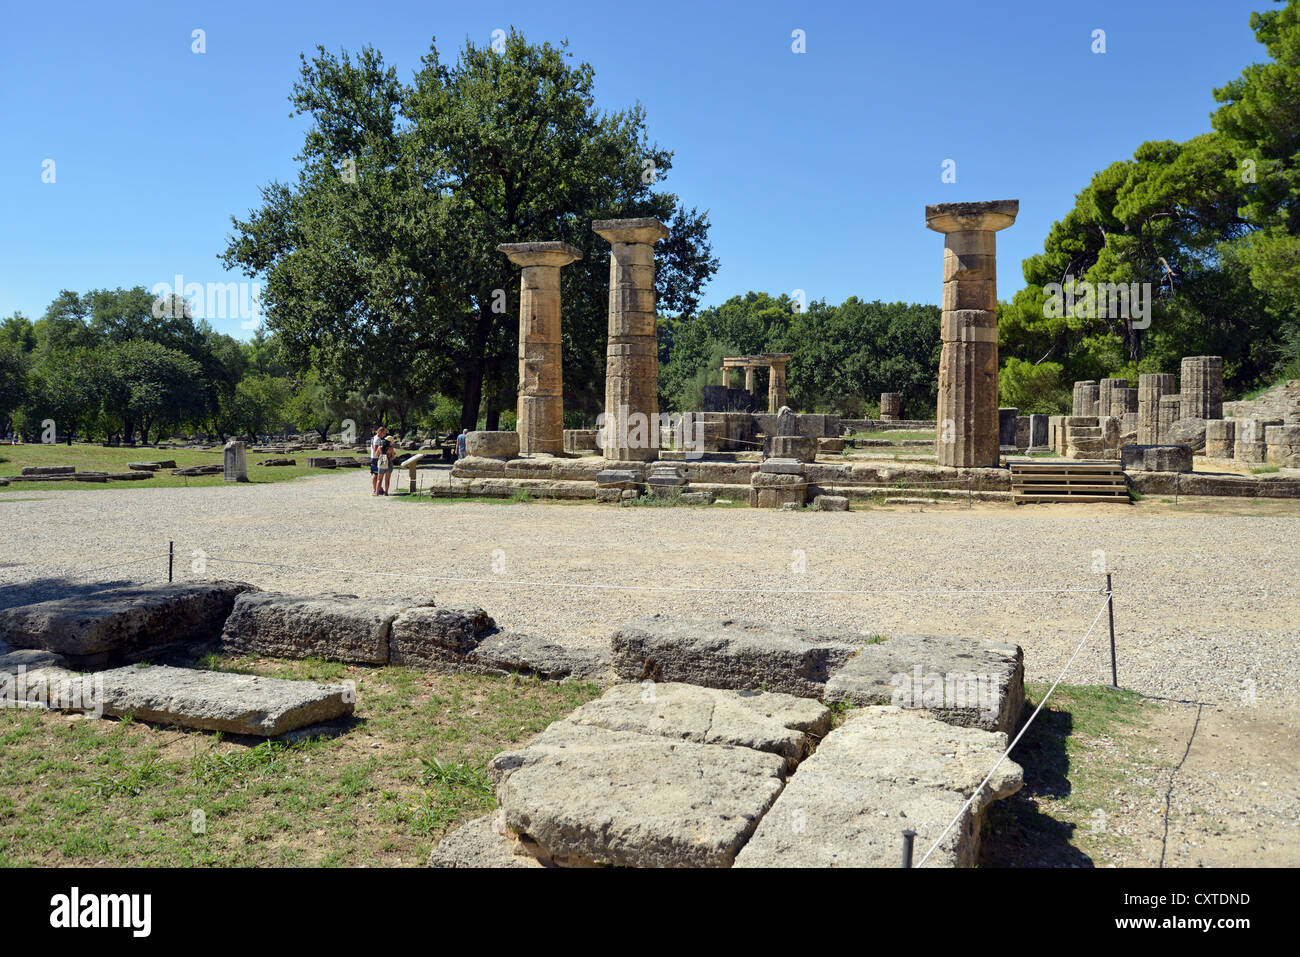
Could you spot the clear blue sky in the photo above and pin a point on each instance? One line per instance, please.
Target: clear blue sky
(815, 167)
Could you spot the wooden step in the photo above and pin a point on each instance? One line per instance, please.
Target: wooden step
(1068, 481)
(1023, 499)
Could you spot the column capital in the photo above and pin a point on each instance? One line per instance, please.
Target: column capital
(957, 217)
(646, 230)
(554, 253)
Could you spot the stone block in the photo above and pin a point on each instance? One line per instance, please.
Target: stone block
(590, 797)
(514, 651)
(123, 624)
(434, 637)
(492, 445)
(483, 843)
(831, 503)
(777, 723)
(1188, 432)
(750, 656)
(963, 681)
(334, 627)
(883, 770)
(220, 701)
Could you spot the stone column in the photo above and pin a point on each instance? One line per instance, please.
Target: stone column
(235, 462)
(632, 356)
(1080, 404)
(1089, 401)
(749, 379)
(1151, 388)
(540, 420)
(1202, 387)
(776, 384)
(968, 366)
(1007, 430)
(1106, 390)
(1167, 413)
(890, 406)
(726, 378)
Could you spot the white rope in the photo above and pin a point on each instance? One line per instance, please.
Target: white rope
(998, 763)
(664, 588)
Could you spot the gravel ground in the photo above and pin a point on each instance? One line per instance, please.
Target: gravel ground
(1207, 601)
(1207, 607)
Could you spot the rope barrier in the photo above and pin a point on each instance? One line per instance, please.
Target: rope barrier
(974, 794)
(526, 583)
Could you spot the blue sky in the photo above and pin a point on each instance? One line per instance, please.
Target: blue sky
(815, 167)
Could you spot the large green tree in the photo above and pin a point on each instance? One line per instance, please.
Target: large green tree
(381, 263)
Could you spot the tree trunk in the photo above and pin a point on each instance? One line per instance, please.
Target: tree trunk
(473, 396)
(493, 418)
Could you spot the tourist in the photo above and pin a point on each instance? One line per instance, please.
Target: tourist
(460, 444)
(376, 441)
(385, 461)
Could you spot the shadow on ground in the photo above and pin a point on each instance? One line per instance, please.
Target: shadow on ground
(1016, 832)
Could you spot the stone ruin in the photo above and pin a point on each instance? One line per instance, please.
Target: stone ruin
(775, 362)
(707, 450)
(709, 736)
(1190, 417)
(968, 365)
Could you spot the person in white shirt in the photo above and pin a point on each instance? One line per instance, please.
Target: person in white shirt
(375, 444)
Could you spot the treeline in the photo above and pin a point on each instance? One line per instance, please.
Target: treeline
(121, 365)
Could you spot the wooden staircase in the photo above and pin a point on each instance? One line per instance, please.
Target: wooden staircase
(1070, 481)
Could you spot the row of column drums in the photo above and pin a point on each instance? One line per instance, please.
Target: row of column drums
(1157, 400)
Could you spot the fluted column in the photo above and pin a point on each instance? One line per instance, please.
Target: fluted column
(968, 365)
(540, 420)
(1152, 387)
(631, 424)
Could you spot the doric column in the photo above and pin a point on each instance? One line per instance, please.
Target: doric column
(1202, 387)
(968, 365)
(1106, 390)
(776, 383)
(749, 378)
(631, 421)
(1152, 387)
(540, 421)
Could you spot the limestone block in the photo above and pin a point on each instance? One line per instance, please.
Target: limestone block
(334, 627)
(436, 637)
(729, 654)
(492, 445)
(883, 770)
(964, 681)
(590, 796)
(122, 624)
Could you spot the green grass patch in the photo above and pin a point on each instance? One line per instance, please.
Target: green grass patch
(88, 457)
(1080, 757)
(380, 792)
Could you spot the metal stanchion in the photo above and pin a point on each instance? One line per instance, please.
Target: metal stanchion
(1110, 608)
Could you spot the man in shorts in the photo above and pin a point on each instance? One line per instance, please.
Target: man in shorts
(375, 443)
